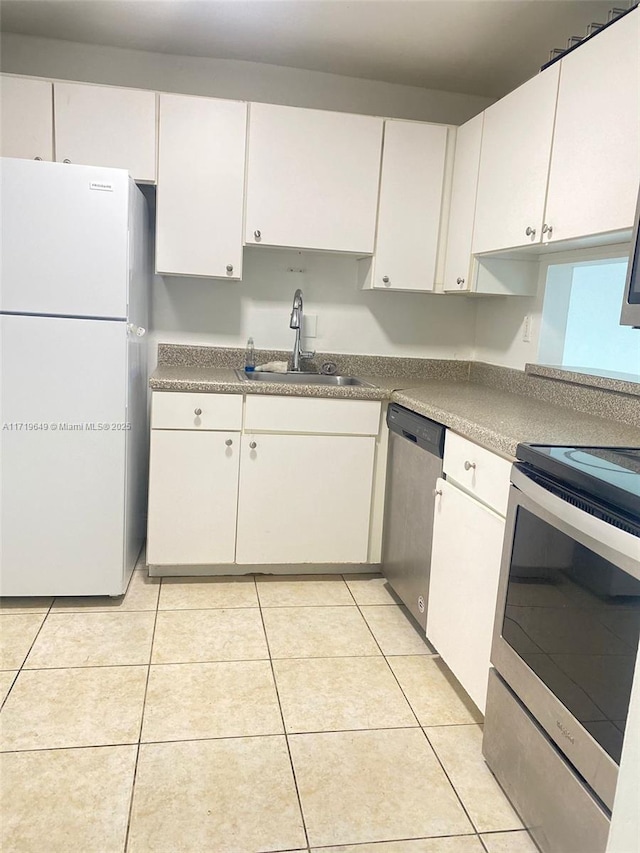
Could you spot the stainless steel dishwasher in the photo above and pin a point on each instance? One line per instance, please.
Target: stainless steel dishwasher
(416, 446)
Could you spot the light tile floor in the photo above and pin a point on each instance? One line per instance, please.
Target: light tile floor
(219, 715)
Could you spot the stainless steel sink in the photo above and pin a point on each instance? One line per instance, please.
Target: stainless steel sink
(300, 378)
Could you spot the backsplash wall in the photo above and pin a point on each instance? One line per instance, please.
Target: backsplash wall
(224, 313)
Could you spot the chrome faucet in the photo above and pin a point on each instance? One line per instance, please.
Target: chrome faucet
(296, 323)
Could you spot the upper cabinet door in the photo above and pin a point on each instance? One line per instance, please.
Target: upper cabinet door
(200, 186)
(26, 118)
(104, 126)
(463, 205)
(411, 190)
(514, 165)
(312, 179)
(595, 164)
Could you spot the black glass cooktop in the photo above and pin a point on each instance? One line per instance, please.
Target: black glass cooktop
(610, 475)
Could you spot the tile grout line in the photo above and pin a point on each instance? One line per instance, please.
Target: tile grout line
(144, 702)
(284, 725)
(453, 788)
(24, 660)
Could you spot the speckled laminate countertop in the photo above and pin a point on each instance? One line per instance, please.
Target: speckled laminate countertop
(498, 408)
(500, 420)
(220, 380)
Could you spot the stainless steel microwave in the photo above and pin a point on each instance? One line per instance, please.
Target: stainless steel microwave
(630, 315)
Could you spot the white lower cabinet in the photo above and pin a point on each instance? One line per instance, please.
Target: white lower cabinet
(305, 498)
(193, 497)
(278, 480)
(465, 564)
(468, 531)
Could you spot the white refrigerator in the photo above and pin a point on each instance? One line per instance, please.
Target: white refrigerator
(74, 284)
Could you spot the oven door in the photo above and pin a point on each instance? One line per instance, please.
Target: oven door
(567, 625)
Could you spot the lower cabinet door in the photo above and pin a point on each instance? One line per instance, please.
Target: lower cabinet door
(193, 497)
(305, 499)
(465, 568)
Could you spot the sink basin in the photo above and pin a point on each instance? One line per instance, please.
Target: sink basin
(301, 378)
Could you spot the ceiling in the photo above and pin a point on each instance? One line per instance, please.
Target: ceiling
(483, 47)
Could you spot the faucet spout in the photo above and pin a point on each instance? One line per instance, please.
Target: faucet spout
(295, 322)
(296, 312)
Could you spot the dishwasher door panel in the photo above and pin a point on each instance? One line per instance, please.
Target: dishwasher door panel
(408, 524)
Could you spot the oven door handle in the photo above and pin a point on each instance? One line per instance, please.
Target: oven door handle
(616, 545)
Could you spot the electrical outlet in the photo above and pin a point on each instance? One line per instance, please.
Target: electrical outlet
(526, 329)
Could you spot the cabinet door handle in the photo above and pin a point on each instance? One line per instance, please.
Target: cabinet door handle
(530, 232)
(229, 442)
(469, 465)
(66, 161)
(547, 229)
(37, 158)
(257, 234)
(229, 267)
(252, 445)
(437, 492)
(460, 281)
(385, 279)
(197, 412)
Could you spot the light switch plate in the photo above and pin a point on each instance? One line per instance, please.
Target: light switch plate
(310, 326)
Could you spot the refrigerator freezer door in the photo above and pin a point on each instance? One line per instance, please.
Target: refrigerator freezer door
(62, 462)
(64, 239)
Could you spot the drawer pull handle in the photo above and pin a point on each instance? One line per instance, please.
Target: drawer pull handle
(252, 445)
(197, 412)
(469, 465)
(229, 442)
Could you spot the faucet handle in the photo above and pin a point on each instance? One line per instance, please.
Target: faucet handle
(304, 354)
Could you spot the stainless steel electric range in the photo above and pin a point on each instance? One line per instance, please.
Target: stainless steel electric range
(565, 640)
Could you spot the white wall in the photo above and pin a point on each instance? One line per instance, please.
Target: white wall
(500, 326)
(500, 320)
(251, 81)
(222, 313)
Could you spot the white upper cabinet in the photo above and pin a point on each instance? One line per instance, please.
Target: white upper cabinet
(312, 179)
(200, 186)
(514, 165)
(595, 163)
(457, 272)
(105, 126)
(26, 118)
(409, 212)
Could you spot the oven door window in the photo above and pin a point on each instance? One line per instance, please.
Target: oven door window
(574, 619)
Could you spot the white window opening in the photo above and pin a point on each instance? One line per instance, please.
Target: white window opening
(581, 328)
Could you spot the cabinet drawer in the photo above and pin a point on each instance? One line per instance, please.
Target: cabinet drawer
(480, 472)
(177, 410)
(312, 415)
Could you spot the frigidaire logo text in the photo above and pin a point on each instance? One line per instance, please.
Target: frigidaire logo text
(564, 731)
